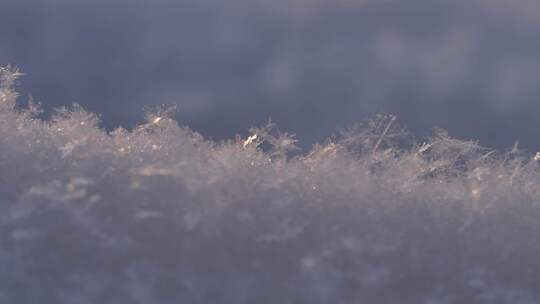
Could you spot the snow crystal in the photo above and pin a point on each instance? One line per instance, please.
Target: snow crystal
(158, 214)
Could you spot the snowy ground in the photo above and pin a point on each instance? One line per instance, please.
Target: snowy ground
(158, 214)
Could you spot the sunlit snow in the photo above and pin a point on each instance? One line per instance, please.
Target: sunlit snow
(158, 214)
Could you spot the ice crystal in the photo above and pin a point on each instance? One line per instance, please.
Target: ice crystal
(158, 214)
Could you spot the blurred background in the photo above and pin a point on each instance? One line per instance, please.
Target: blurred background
(314, 66)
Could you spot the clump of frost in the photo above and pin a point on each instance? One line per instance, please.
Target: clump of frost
(158, 214)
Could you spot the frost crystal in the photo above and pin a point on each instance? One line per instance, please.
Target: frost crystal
(160, 215)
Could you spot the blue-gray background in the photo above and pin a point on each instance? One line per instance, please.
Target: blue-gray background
(314, 66)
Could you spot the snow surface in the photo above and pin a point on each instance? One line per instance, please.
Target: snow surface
(158, 214)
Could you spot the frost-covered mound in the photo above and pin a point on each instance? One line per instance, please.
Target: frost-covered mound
(160, 215)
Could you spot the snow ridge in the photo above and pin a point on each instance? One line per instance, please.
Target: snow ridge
(158, 214)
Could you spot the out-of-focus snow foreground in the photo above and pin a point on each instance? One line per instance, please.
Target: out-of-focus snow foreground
(160, 215)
